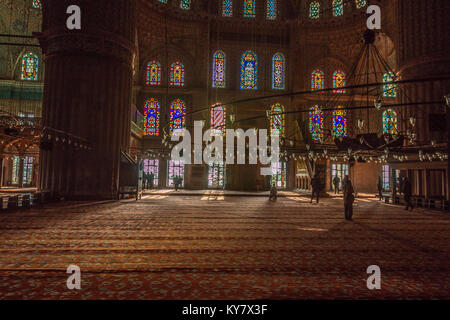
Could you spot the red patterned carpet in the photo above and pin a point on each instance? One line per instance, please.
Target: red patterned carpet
(215, 247)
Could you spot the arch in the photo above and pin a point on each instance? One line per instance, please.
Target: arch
(176, 74)
(339, 122)
(152, 112)
(278, 72)
(318, 80)
(249, 71)
(277, 120)
(177, 115)
(30, 67)
(390, 122)
(219, 69)
(153, 74)
(339, 81)
(316, 123)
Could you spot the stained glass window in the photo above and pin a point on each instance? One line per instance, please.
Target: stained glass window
(175, 168)
(227, 8)
(278, 72)
(390, 122)
(185, 4)
(37, 4)
(218, 117)
(361, 3)
(219, 69)
(152, 112)
(30, 64)
(316, 123)
(339, 122)
(15, 170)
(153, 76)
(216, 175)
(338, 8)
(249, 8)
(279, 174)
(177, 74)
(177, 115)
(277, 124)
(318, 80)
(249, 71)
(163, 1)
(271, 9)
(314, 10)
(339, 81)
(389, 90)
(152, 166)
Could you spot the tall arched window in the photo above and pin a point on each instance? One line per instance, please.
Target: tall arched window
(339, 81)
(249, 71)
(153, 76)
(249, 8)
(271, 9)
(390, 122)
(318, 80)
(185, 4)
(152, 111)
(227, 8)
(177, 115)
(37, 4)
(316, 123)
(338, 8)
(218, 120)
(389, 90)
(177, 74)
(314, 10)
(277, 124)
(361, 3)
(278, 71)
(30, 67)
(339, 122)
(219, 70)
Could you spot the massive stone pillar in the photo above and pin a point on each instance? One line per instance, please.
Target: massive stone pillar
(422, 46)
(87, 96)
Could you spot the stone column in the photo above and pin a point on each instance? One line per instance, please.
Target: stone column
(422, 46)
(87, 94)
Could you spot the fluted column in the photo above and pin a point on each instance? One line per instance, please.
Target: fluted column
(87, 94)
(423, 52)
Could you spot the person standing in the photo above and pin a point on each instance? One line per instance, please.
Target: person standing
(273, 192)
(315, 185)
(144, 181)
(407, 192)
(336, 182)
(380, 188)
(349, 198)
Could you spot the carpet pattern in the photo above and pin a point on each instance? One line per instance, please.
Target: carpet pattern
(217, 247)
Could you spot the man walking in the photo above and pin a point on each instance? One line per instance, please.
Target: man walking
(407, 192)
(336, 182)
(315, 185)
(349, 198)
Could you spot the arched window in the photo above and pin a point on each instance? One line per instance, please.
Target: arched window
(185, 4)
(271, 9)
(338, 8)
(249, 71)
(278, 71)
(177, 115)
(318, 80)
(30, 67)
(152, 113)
(153, 77)
(37, 4)
(390, 122)
(177, 74)
(389, 90)
(227, 8)
(218, 118)
(339, 81)
(361, 3)
(219, 69)
(249, 8)
(339, 122)
(314, 10)
(277, 124)
(316, 123)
